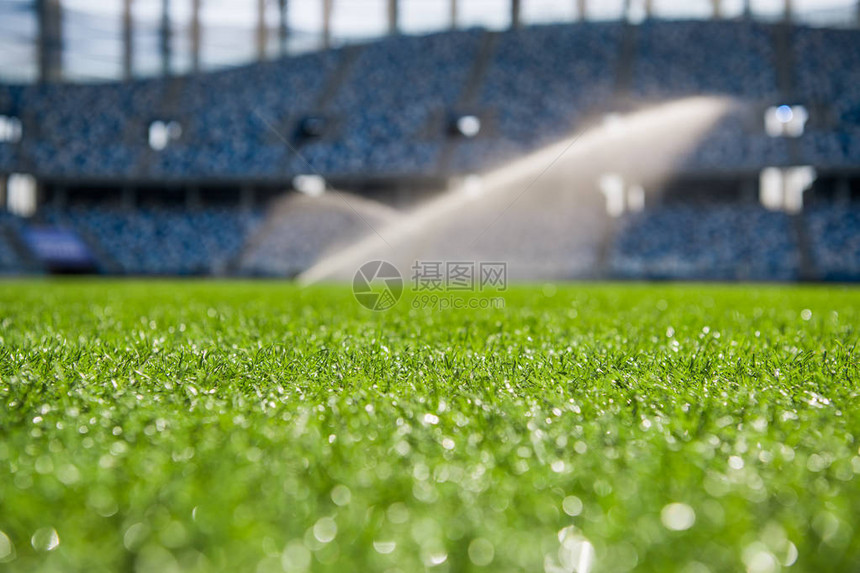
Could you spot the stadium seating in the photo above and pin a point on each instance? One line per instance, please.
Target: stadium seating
(537, 84)
(161, 241)
(828, 76)
(738, 62)
(734, 144)
(530, 86)
(540, 83)
(237, 122)
(707, 242)
(730, 58)
(398, 130)
(679, 241)
(10, 261)
(828, 70)
(834, 234)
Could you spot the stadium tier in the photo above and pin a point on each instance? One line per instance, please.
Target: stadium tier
(733, 146)
(10, 259)
(398, 129)
(834, 232)
(828, 74)
(739, 60)
(676, 242)
(385, 111)
(531, 86)
(161, 241)
(707, 242)
(540, 83)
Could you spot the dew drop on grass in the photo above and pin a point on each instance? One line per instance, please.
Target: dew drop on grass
(402, 447)
(575, 554)
(572, 505)
(481, 552)
(384, 547)
(296, 557)
(434, 558)
(325, 530)
(68, 474)
(759, 559)
(44, 465)
(134, 536)
(45, 539)
(7, 550)
(790, 555)
(678, 516)
(398, 513)
(341, 495)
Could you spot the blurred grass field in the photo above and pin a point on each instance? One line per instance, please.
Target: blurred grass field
(205, 426)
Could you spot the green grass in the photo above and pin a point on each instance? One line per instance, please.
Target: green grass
(161, 426)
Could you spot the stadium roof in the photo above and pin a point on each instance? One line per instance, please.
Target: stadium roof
(92, 36)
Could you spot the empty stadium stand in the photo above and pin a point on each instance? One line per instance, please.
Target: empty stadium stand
(834, 232)
(706, 242)
(538, 84)
(10, 259)
(161, 241)
(529, 87)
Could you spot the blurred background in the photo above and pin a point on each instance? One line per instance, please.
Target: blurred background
(571, 139)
